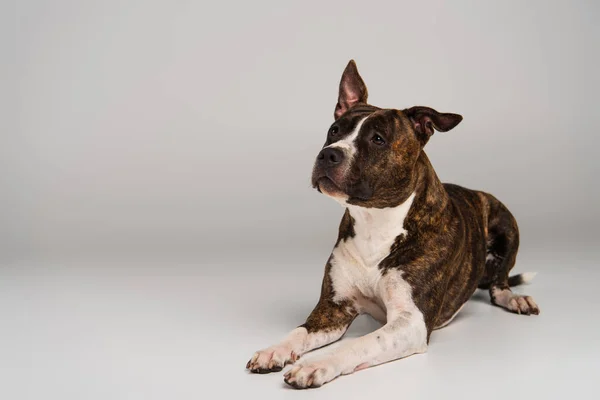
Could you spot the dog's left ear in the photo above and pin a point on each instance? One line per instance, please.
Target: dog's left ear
(425, 120)
(352, 90)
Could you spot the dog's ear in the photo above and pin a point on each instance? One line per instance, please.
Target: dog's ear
(352, 90)
(425, 120)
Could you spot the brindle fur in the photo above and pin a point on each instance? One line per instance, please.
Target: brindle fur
(451, 229)
(457, 239)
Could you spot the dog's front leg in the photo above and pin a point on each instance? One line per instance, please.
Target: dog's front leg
(326, 323)
(404, 334)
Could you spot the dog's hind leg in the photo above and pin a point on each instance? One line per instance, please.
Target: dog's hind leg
(502, 247)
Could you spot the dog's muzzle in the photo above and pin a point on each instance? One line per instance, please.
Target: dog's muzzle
(330, 157)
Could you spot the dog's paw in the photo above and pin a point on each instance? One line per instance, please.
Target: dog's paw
(311, 375)
(517, 303)
(272, 359)
(522, 305)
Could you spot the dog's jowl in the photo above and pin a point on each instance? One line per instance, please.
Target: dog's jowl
(410, 250)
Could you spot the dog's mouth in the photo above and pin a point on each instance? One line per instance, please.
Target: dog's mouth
(327, 186)
(360, 192)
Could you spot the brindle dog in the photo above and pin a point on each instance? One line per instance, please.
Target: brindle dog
(410, 251)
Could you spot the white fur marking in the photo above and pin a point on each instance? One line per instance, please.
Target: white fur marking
(355, 260)
(527, 277)
(348, 144)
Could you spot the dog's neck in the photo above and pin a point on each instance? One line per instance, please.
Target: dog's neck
(376, 229)
(380, 222)
(431, 198)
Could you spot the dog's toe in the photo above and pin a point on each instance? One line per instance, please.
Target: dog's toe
(310, 376)
(269, 360)
(522, 305)
(517, 303)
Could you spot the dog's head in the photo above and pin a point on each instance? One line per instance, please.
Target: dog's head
(370, 153)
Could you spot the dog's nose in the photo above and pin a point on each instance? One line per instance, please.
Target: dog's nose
(330, 156)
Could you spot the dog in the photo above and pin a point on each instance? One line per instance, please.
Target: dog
(410, 250)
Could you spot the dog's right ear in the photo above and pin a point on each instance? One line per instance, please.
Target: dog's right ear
(352, 90)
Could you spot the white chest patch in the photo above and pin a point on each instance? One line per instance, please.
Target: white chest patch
(355, 261)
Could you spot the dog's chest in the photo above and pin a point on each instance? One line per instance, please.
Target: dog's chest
(354, 268)
(355, 271)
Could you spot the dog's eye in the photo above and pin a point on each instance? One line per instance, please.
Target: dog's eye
(378, 140)
(333, 130)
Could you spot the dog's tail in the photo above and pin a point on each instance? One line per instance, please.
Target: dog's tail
(515, 280)
(520, 279)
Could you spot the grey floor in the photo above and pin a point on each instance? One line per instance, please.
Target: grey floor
(133, 330)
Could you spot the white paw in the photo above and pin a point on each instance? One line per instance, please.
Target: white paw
(523, 305)
(516, 303)
(313, 374)
(272, 359)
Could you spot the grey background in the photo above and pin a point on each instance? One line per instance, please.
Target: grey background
(155, 160)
